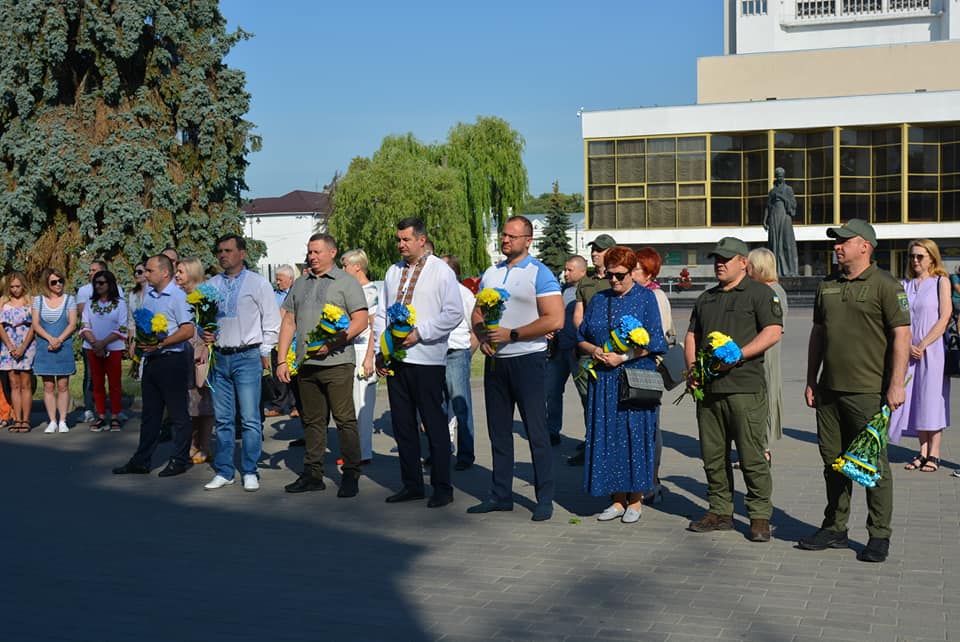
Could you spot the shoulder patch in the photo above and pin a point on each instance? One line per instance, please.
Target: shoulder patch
(902, 299)
(775, 306)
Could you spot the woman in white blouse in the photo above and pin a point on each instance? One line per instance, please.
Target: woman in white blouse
(104, 333)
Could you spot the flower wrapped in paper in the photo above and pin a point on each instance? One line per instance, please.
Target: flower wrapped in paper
(205, 300)
(861, 462)
(291, 359)
(401, 320)
(150, 330)
(333, 320)
(628, 334)
(721, 351)
(492, 302)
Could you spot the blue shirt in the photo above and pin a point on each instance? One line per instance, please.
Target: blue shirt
(171, 302)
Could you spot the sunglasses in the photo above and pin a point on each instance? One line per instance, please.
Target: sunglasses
(917, 257)
(619, 276)
(99, 282)
(56, 281)
(138, 272)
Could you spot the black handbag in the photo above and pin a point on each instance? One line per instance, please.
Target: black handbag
(640, 389)
(671, 366)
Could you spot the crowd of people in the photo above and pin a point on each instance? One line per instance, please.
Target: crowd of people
(875, 342)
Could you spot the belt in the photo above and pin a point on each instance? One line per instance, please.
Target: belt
(235, 349)
(452, 350)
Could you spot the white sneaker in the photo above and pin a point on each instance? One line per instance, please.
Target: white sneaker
(88, 416)
(251, 483)
(51, 428)
(217, 482)
(63, 427)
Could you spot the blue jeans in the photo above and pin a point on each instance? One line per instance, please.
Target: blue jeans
(559, 367)
(460, 401)
(236, 378)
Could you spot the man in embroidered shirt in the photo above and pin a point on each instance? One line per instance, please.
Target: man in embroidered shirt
(428, 284)
(326, 377)
(515, 367)
(165, 371)
(249, 319)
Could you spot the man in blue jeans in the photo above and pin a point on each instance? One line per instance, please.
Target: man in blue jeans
(249, 320)
(561, 348)
(460, 348)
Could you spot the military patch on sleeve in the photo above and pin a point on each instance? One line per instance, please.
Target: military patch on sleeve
(902, 299)
(775, 306)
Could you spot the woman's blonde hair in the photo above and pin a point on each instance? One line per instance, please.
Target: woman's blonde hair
(764, 264)
(194, 270)
(936, 263)
(355, 257)
(10, 278)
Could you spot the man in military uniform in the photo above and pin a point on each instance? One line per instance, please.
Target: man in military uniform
(861, 338)
(734, 407)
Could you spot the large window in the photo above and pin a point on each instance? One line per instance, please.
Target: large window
(738, 179)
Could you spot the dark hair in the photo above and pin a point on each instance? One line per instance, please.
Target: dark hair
(620, 256)
(165, 262)
(112, 290)
(527, 225)
(326, 238)
(649, 259)
(453, 262)
(419, 229)
(241, 242)
(103, 264)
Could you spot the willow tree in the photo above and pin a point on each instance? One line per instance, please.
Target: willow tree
(489, 157)
(403, 178)
(121, 131)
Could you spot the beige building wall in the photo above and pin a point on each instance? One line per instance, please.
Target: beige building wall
(819, 73)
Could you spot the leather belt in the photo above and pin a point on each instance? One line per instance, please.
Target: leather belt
(235, 349)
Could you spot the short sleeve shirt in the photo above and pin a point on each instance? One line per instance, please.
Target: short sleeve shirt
(306, 299)
(588, 286)
(857, 316)
(741, 312)
(526, 282)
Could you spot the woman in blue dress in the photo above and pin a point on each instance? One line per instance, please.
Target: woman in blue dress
(619, 453)
(54, 322)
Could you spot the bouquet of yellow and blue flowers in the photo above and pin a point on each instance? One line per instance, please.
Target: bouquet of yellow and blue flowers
(400, 321)
(492, 302)
(151, 329)
(861, 462)
(333, 320)
(629, 333)
(291, 358)
(205, 300)
(722, 351)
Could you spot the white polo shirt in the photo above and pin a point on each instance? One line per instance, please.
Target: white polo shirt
(526, 282)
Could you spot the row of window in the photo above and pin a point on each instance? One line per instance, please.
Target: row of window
(830, 8)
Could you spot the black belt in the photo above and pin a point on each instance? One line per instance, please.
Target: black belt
(235, 349)
(452, 350)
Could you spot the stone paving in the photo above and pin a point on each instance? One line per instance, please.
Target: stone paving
(90, 556)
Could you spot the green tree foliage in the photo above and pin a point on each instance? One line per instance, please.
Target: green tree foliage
(572, 203)
(455, 187)
(554, 248)
(121, 131)
(403, 178)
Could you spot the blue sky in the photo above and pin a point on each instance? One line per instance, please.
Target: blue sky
(330, 79)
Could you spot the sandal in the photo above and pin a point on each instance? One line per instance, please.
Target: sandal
(917, 463)
(930, 465)
(114, 425)
(97, 425)
(199, 457)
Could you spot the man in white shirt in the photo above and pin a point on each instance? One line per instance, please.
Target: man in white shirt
(460, 348)
(417, 385)
(249, 320)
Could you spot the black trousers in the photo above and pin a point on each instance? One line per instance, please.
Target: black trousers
(412, 389)
(164, 387)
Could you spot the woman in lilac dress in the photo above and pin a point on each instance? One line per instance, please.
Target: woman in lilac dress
(926, 412)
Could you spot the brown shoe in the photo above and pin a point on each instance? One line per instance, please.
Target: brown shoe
(711, 522)
(759, 530)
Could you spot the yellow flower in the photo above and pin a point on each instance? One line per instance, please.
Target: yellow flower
(640, 336)
(413, 316)
(194, 297)
(291, 361)
(332, 313)
(158, 323)
(488, 297)
(718, 339)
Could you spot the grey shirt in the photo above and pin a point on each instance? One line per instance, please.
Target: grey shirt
(306, 299)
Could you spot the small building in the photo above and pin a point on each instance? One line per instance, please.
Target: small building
(285, 223)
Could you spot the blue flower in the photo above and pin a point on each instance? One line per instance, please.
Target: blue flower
(144, 320)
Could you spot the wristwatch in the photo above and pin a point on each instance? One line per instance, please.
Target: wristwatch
(514, 336)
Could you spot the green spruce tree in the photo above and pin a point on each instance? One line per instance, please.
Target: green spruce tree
(554, 247)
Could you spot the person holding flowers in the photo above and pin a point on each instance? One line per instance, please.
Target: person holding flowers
(421, 296)
(104, 332)
(164, 325)
(325, 375)
(515, 368)
(858, 352)
(621, 329)
(242, 332)
(732, 325)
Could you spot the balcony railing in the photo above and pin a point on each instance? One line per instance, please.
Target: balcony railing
(823, 9)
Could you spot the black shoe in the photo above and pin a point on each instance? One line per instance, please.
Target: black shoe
(489, 506)
(824, 539)
(577, 460)
(305, 483)
(405, 495)
(131, 468)
(462, 465)
(438, 501)
(349, 486)
(876, 550)
(555, 440)
(173, 469)
(542, 512)
(298, 443)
